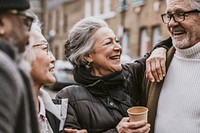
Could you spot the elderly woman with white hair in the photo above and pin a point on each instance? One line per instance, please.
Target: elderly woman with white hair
(106, 88)
(51, 116)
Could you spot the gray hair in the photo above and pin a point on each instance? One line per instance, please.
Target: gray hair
(195, 4)
(36, 25)
(80, 39)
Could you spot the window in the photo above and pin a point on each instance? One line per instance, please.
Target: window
(65, 22)
(144, 41)
(123, 5)
(125, 42)
(57, 21)
(56, 52)
(102, 9)
(156, 35)
(87, 8)
(106, 6)
(96, 8)
(137, 3)
(50, 21)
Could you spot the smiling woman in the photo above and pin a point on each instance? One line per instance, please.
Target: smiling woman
(106, 89)
(105, 57)
(42, 73)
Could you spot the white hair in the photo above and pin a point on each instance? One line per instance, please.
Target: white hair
(36, 26)
(80, 40)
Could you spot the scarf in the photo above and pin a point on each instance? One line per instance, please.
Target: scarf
(111, 85)
(84, 77)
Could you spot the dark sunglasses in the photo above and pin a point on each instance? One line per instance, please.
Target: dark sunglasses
(28, 19)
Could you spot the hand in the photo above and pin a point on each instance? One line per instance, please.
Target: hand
(155, 65)
(67, 130)
(125, 126)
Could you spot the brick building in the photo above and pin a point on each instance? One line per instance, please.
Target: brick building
(136, 22)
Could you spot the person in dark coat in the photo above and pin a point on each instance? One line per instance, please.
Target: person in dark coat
(106, 88)
(17, 106)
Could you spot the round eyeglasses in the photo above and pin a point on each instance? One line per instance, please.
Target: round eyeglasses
(177, 16)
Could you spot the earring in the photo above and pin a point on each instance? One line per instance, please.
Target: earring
(2, 32)
(88, 65)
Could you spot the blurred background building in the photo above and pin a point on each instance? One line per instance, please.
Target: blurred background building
(136, 22)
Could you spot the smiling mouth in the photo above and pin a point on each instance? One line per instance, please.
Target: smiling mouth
(115, 57)
(51, 69)
(178, 31)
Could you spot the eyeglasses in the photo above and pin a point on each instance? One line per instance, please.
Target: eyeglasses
(177, 16)
(26, 18)
(45, 47)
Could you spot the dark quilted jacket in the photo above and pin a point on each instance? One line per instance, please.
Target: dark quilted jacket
(99, 107)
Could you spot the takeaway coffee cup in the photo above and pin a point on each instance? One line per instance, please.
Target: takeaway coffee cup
(137, 113)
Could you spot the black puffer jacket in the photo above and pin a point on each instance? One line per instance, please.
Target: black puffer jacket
(99, 103)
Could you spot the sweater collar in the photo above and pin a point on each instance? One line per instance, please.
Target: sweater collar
(192, 52)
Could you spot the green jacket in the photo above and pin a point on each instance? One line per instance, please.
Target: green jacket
(151, 93)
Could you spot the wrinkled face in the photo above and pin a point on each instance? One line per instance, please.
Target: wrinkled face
(14, 29)
(106, 54)
(186, 33)
(43, 66)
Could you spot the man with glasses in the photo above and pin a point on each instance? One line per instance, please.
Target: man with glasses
(174, 102)
(17, 107)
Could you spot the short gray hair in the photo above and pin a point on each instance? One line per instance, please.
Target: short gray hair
(195, 4)
(36, 25)
(80, 39)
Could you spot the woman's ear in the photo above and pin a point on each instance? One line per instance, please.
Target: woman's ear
(2, 31)
(88, 58)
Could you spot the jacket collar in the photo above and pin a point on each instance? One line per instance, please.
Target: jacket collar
(153, 92)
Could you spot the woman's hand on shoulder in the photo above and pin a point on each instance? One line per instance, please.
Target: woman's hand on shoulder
(155, 65)
(125, 126)
(67, 130)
